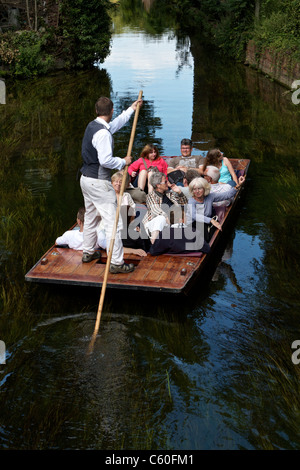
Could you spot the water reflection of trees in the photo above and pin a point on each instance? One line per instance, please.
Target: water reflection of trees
(44, 121)
(240, 110)
(155, 19)
(152, 17)
(49, 113)
(147, 125)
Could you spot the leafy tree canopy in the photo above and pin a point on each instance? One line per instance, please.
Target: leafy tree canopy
(85, 29)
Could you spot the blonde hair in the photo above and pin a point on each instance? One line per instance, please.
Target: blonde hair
(119, 176)
(200, 183)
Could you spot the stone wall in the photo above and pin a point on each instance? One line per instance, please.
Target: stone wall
(277, 66)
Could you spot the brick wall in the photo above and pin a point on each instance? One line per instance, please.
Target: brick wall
(280, 67)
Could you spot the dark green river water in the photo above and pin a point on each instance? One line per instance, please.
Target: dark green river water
(212, 371)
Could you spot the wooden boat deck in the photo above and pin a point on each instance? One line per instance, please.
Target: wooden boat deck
(152, 273)
(163, 273)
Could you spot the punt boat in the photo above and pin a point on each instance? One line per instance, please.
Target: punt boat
(166, 273)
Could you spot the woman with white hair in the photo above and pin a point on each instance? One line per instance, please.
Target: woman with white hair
(200, 205)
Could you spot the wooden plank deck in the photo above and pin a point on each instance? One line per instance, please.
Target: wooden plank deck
(164, 273)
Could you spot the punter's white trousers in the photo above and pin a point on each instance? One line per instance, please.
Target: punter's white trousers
(100, 203)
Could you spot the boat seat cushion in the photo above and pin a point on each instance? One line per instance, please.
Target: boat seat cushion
(220, 212)
(239, 173)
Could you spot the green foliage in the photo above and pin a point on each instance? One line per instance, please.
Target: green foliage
(280, 30)
(230, 24)
(82, 38)
(231, 33)
(85, 29)
(225, 24)
(24, 52)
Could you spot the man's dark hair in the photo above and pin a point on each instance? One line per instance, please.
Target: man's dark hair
(187, 142)
(103, 106)
(80, 214)
(191, 174)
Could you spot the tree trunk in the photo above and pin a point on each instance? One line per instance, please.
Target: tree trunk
(36, 16)
(28, 14)
(257, 9)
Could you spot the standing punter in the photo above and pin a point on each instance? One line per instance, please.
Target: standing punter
(99, 195)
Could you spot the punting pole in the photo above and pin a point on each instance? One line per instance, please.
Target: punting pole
(104, 284)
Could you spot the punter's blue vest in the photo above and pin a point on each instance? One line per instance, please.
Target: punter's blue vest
(91, 166)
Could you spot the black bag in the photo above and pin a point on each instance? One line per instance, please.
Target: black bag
(176, 176)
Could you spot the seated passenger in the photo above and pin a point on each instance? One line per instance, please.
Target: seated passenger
(74, 238)
(190, 174)
(142, 168)
(216, 158)
(186, 159)
(159, 204)
(127, 201)
(200, 206)
(212, 175)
